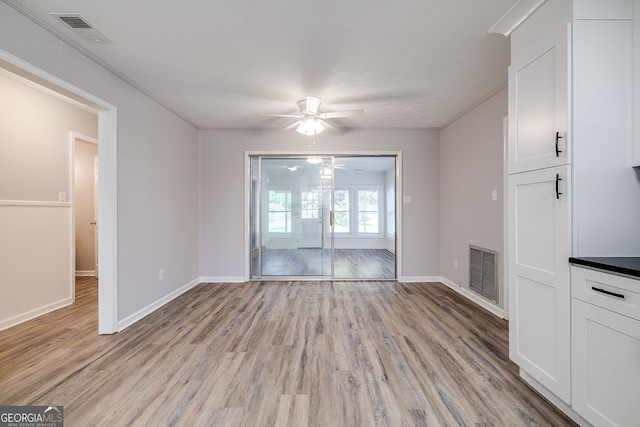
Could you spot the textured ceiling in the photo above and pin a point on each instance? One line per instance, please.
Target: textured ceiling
(227, 63)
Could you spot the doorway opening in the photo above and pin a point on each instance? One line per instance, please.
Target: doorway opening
(85, 204)
(323, 217)
(107, 195)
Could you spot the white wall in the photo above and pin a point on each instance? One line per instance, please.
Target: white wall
(472, 166)
(157, 169)
(36, 274)
(222, 163)
(34, 141)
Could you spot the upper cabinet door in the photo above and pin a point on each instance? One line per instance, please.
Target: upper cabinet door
(539, 91)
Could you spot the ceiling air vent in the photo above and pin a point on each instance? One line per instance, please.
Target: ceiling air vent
(81, 27)
(75, 22)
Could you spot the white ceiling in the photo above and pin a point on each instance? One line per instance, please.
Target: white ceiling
(227, 63)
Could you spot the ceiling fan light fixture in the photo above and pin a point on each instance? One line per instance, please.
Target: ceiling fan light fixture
(310, 126)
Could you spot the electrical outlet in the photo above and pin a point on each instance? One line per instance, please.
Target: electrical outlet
(455, 264)
(494, 195)
(161, 274)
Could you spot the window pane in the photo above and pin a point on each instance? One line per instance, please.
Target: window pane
(391, 216)
(368, 206)
(310, 205)
(277, 222)
(368, 222)
(279, 213)
(368, 200)
(342, 201)
(341, 222)
(279, 200)
(341, 213)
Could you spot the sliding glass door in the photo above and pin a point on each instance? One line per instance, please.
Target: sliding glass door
(291, 216)
(323, 217)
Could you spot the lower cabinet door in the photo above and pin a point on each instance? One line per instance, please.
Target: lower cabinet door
(539, 287)
(605, 366)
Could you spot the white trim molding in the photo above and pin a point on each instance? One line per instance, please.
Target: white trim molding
(484, 303)
(32, 314)
(419, 279)
(223, 279)
(145, 311)
(516, 15)
(85, 273)
(45, 203)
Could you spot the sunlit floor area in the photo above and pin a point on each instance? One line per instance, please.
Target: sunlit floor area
(349, 263)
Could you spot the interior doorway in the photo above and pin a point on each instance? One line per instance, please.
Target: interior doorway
(85, 204)
(323, 217)
(107, 132)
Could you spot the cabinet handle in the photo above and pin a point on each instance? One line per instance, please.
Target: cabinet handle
(558, 151)
(558, 179)
(604, 291)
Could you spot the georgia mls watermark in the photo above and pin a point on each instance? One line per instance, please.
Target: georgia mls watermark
(31, 416)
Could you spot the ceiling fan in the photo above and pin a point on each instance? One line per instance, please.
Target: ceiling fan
(310, 120)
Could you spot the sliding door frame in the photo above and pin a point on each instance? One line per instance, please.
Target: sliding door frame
(248, 195)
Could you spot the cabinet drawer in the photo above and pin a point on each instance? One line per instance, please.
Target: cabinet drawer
(616, 293)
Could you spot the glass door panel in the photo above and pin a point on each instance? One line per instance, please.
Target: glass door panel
(291, 217)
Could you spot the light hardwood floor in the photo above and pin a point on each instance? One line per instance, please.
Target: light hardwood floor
(277, 354)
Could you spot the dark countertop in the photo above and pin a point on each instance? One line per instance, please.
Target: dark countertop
(629, 266)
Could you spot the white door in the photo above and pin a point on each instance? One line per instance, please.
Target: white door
(539, 289)
(538, 95)
(95, 213)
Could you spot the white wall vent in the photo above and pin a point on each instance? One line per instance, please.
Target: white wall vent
(483, 272)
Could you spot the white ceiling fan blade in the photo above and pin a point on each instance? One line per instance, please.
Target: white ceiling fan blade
(291, 126)
(339, 114)
(291, 116)
(327, 124)
(313, 103)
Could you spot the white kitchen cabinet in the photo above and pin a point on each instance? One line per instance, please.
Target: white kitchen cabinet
(571, 117)
(538, 90)
(538, 204)
(539, 295)
(605, 347)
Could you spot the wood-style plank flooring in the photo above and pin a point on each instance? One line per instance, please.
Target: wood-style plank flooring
(277, 354)
(349, 263)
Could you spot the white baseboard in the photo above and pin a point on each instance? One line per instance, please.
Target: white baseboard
(85, 273)
(138, 315)
(419, 279)
(486, 304)
(222, 279)
(32, 314)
